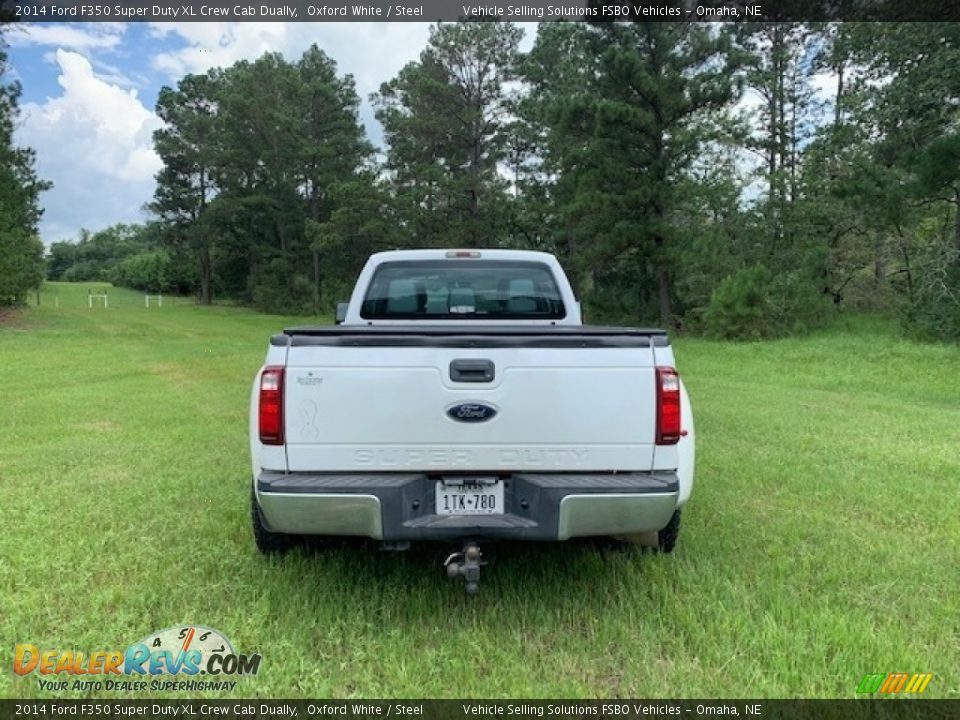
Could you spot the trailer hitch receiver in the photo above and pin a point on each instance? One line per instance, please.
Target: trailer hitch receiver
(466, 564)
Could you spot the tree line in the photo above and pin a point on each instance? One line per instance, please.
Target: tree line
(21, 251)
(130, 255)
(687, 174)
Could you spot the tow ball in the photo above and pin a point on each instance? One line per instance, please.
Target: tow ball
(466, 564)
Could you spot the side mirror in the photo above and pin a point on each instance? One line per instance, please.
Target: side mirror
(341, 312)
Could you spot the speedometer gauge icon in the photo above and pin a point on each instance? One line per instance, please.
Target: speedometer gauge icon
(196, 642)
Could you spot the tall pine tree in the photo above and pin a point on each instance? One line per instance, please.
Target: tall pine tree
(626, 133)
(21, 252)
(447, 123)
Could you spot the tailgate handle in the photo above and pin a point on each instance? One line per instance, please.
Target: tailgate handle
(476, 371)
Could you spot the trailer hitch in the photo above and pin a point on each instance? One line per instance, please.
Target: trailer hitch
(466, 564)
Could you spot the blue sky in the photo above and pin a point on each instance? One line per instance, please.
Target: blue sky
(89, 92)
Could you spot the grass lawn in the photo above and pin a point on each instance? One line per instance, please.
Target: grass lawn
(822, 541)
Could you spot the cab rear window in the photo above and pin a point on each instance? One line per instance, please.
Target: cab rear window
(462, 288)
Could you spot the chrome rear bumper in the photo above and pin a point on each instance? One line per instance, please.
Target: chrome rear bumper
(400, 506)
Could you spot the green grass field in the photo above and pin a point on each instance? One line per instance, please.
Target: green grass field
(822, 541)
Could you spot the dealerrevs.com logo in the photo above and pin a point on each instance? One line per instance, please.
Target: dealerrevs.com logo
(185, 657)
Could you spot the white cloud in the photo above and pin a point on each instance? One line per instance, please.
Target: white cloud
(94, 141)
(115, 76)
(372, 52)
(81, 38)
(825, 84)
(216, 44)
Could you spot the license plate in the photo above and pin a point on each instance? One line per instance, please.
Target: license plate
(470, 499)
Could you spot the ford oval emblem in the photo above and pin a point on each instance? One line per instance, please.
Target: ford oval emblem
(471, 412)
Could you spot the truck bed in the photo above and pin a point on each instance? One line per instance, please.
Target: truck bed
(378, 398)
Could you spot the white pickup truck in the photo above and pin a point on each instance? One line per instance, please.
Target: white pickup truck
(460, 398)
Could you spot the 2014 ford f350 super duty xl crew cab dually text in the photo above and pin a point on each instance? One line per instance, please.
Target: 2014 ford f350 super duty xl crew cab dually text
(460, 398)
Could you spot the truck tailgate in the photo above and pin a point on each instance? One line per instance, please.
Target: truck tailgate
(562, 401)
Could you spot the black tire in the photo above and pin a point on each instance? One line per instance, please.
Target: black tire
(667, 538)
(268, 542)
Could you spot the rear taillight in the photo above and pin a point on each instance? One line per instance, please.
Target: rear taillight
(271, 405)
(668, 406)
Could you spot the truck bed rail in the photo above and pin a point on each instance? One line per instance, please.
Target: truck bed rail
(470, 335)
